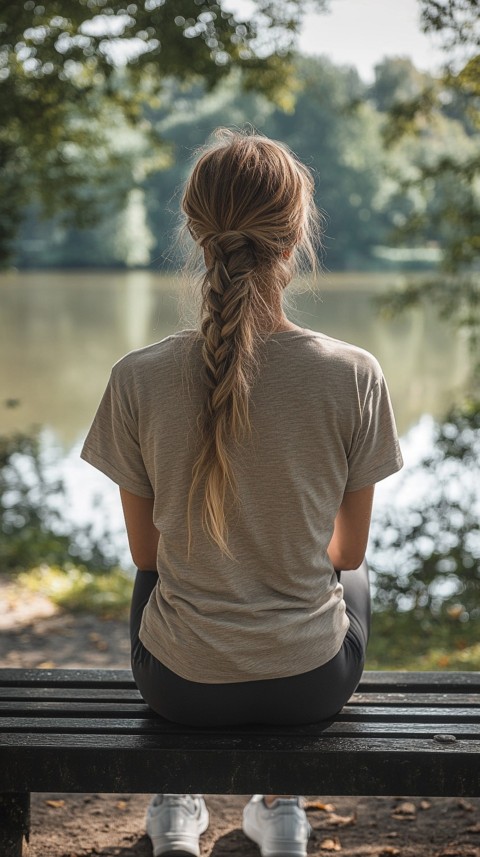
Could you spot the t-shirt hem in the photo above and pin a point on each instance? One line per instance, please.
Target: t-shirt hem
(115, 475)
(151, 644)
(376, 475)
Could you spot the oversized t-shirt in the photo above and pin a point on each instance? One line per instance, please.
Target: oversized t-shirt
(322, 424)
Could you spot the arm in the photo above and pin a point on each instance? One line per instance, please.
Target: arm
(349, 541)
(142, 534)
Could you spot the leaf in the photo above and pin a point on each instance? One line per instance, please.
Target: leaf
(317, 804)
(405, 811)
(465, 805)
(121, 804)
(342, 820)
(331, 844)
(55, 804)
(425, 804)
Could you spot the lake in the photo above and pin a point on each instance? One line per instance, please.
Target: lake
(60, 333)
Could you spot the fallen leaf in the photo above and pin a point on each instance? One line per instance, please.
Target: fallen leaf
(465, 805)
(121, 804)
(425, 804)
(331, 844)
(388, 851)
(56, 804)
(405, 811)
(342, 820)
(46, 665)
(317, 804)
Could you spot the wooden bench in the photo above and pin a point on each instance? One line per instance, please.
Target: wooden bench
(89, 730)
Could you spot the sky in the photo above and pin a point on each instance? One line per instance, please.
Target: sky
(362, 32)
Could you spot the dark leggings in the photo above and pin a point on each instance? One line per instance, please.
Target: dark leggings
(306, 698)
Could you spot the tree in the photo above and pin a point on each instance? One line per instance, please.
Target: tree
(336, 132)
(455, 21)
(64, 63)
(432, 546)
(331, 128)
(445, 182)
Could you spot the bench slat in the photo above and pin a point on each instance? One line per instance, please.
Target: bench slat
(372, 680)
(98, 726)
(382, 766)
(58, 693)
(415, 699)
(364, 713)
(282, 744)
(65, 709)
(123, 696)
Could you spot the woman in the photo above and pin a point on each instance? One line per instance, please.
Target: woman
(246, 453)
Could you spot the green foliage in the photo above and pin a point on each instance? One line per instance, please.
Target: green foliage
(76, 589)
(410, 641)
(337, 125)
(426, 551)
(456, 21)
(397, 81)
(442, 187)
(332, 127)
(34, 527)
(336, 131)
(74, 76)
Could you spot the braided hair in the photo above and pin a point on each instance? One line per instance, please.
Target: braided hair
(249, 205)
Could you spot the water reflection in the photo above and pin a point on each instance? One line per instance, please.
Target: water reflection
(61, 332)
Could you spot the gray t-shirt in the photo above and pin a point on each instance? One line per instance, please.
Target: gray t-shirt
(322, 424)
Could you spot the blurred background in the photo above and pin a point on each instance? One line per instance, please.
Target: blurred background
(102, 106)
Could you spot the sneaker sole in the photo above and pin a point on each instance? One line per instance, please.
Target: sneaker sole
(168, 849)
(176, 853)
(284, 850)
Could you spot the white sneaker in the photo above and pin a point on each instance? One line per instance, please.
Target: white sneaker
(281, 830)
(174, 824)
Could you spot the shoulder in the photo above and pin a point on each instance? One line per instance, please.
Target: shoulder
(343, 359)
(152, 360)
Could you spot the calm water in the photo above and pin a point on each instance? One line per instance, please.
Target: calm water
(61, 332)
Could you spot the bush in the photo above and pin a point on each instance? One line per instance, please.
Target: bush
(34, 527)
(431, 543)
(78, 590)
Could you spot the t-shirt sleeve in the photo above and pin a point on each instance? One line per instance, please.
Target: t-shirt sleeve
(375, 453)
(112, 444)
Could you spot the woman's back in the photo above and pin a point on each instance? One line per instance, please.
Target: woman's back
(320, 424)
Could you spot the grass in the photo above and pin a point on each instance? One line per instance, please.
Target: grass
(399, 641)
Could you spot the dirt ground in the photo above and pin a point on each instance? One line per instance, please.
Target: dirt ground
(35, 634)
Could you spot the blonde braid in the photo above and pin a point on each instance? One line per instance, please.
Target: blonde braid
(228, 371)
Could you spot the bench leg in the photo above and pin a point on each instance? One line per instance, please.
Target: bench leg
(14, 822)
